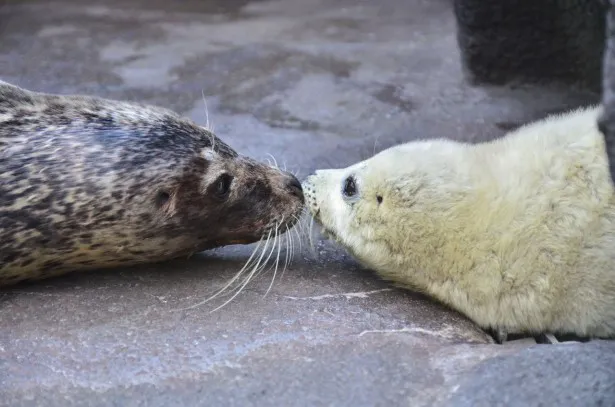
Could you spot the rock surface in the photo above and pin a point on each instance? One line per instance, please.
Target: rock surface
(571, 374)
(313, 83)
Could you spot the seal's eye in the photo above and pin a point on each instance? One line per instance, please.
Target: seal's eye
(223, 185)
(350, 187)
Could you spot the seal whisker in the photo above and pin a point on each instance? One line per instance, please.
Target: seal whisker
(209, 127)
(258, 268)
(220, 291)
(184, 175)
(306, 221)
(356, 218)
(251, 275)
(277, 261)
(291, 247)
(206, 110)
(245, 281)
(300, 224)
(290, 251)
(255, 266)
(287, 252)
(296, 231)
(262, 267)
(311, 233)
(249, 264)
(308, 229)
(252, 265)
(274, 161)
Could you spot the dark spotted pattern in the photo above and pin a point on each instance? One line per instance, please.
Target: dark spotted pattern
(88, 183)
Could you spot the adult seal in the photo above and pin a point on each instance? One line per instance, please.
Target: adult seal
(518, 233)
(87, 183)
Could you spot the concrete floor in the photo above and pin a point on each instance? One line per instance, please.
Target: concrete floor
(315, 83)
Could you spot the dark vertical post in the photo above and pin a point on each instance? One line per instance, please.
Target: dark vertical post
(606, 122)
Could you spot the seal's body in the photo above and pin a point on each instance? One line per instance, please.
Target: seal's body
(89, 183)
(518, 233)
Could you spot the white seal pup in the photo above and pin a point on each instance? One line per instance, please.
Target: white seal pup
(518, 233)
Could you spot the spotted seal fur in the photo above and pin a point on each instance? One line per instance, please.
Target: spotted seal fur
(87, 183)
(518, 233)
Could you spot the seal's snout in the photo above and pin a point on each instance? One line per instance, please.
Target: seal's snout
(310, 193)
(295, 188)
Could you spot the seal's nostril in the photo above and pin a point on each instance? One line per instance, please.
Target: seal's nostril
(295, 187)
(294, 182)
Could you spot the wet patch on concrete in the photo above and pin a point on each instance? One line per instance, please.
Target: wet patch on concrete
(393, 95)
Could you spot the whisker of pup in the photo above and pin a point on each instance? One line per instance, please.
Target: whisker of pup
(311, 233)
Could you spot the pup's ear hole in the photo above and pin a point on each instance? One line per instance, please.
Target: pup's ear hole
(379, 198)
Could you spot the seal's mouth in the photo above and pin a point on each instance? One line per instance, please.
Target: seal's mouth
(280, 226)
(267, 231)
(330, 234)
(240, 241)
(315, 212)
(327, 233)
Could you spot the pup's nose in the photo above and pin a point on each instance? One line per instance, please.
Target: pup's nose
(294, 186)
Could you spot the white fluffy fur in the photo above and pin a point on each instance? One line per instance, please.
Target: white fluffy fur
(518, 233)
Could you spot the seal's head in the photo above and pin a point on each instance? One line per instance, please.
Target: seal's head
(220, 197)
(90, 182)
(515, 233)
(383, 208)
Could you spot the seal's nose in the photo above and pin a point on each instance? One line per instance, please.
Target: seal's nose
(295, 188)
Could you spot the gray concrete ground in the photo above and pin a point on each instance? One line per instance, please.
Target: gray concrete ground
(315, 83)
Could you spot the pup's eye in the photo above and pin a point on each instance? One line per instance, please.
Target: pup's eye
(223, 185)
(350, 187)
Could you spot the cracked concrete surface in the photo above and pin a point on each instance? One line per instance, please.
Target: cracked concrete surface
(313, 83)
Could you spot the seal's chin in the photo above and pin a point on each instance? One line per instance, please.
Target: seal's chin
(330, 235)
(327, 233)
(265, 232)
(235, 241)
(241, 241)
